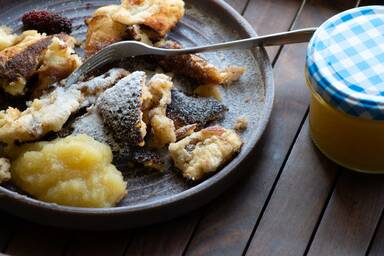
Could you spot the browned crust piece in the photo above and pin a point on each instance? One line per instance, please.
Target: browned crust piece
(189, 65)
(185, 131)
(22, 64)
(159, 15)
(147, 158)
(59, 61)
(102, 30)
(16, 63)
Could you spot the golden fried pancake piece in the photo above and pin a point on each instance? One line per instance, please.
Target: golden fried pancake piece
(103, 30)
(140, 20)
(205, 151)
(51, 58)
(159, 15)
(162, 127)
(196, 67)
(59, 61)
(49, 113)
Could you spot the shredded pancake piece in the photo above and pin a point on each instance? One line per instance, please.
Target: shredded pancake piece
(20, 62)
(185, 131)
(141, 20)
(7, 38)
(103, 30)
(196, 67)
(43, 115)
(185, 110)
(205, 151)
(120, 108)
(159, 15)
(52, 58)
(59, 61)
(163, 128)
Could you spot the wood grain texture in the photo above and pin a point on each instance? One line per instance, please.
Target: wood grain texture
(377, 243)
(170, 238)
(308, 177)
(351, 216)
(32, 239)
(297, 203)
(97, 243)
(270, 16)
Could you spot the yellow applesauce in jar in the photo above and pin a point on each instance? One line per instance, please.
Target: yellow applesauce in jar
(345, 73)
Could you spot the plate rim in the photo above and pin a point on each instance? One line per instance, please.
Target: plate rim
(195, 191)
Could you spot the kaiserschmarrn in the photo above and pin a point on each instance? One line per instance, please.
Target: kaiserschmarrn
(47, 114)
(205, 151)
(60, 142)
(141, 20)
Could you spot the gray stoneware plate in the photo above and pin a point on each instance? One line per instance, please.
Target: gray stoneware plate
(154, 197)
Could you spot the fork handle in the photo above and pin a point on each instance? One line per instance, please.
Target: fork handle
(289, 37)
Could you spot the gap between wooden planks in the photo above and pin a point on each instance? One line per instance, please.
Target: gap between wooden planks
(352, 206)
(27, 240)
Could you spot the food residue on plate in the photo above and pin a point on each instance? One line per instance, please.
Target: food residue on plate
(64, 141)
(241, 123)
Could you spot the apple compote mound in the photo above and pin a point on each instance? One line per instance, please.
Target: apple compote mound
(73, 171)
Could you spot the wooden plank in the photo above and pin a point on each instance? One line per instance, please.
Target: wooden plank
(377, 244)
(32, 239)
(270, 16)
(351, 216)
(111, 243)
(7, 224)
(169, 238)
(232, 217)
(297, 203)
(307, 179)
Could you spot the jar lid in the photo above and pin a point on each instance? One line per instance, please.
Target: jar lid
(345, 62)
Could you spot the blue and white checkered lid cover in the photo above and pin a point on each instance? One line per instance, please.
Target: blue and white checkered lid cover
(345, 62)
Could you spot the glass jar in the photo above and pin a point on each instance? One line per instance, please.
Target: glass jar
(345, 73)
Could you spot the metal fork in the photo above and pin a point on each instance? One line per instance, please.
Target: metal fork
(127, 49)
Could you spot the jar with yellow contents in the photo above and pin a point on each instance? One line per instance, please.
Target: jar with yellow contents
(345, 73)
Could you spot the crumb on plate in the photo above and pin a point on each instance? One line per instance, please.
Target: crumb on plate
(241, 123)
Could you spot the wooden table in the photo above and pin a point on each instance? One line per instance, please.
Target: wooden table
(293, 202)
